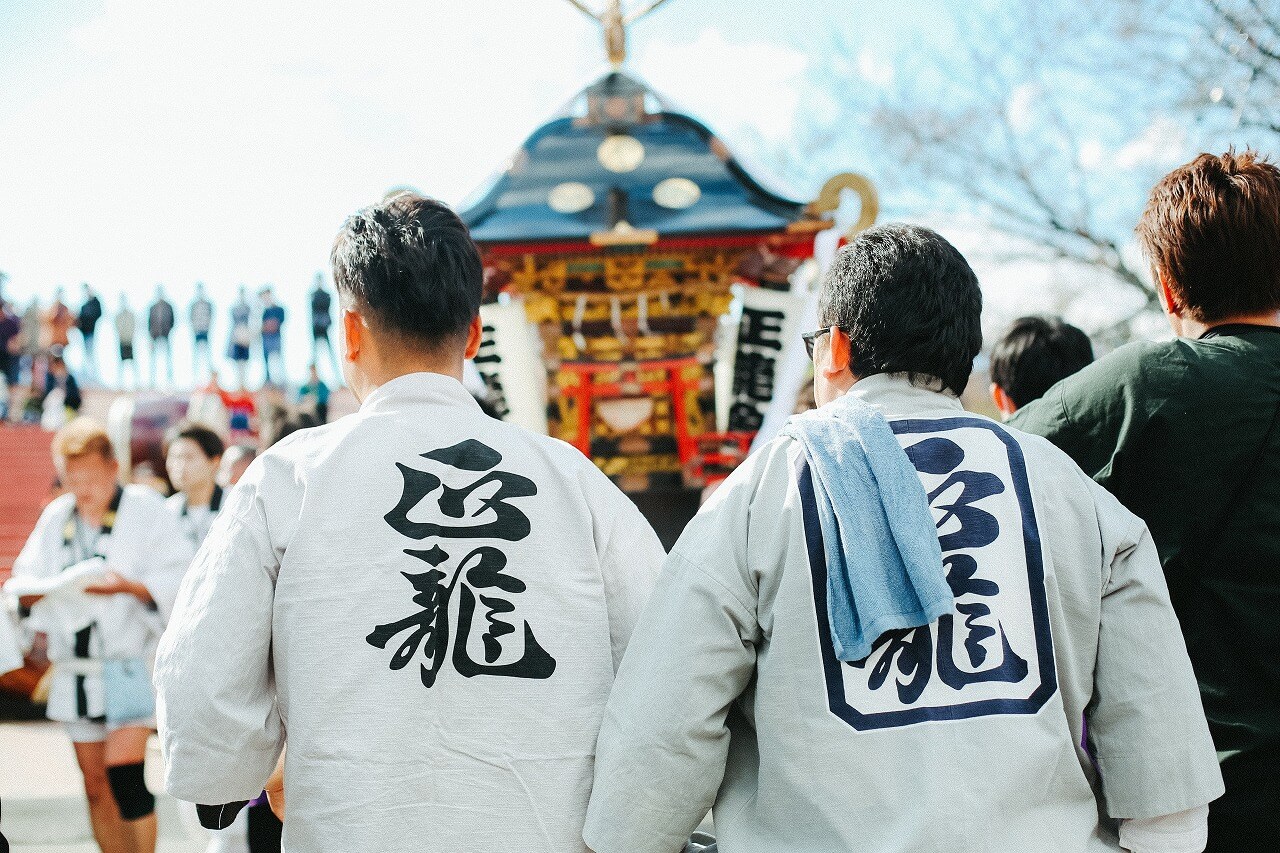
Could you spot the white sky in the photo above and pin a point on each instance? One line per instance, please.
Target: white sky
(146, 142)
(152, 142)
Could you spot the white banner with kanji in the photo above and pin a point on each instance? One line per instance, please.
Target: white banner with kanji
(764, 371)
(510, 363)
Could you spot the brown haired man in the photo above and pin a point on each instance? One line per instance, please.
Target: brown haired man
(1185, 432)
(98, 576)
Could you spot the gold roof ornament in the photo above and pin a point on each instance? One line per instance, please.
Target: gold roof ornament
(625, 234)
(828, 202)
(614, 22)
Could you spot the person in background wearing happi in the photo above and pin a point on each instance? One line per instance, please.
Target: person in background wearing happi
(98, 576)
(193, 460)
(235, 461)
(327, 591)
(192, 457)
(900, 626)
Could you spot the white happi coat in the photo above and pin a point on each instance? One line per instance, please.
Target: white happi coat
(964, 736)
(146, 544)
(195, 522)
(432, 603)
(11, 645)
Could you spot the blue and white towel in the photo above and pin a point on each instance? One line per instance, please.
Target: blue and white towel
(884, 565)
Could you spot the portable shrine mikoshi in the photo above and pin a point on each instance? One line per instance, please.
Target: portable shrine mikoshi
(615, 245)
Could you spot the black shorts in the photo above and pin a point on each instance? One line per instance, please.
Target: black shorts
(10, 367)
(126, 352)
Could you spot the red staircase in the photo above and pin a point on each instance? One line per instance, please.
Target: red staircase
(26, 485)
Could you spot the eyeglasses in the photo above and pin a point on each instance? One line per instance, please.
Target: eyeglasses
(811, 338)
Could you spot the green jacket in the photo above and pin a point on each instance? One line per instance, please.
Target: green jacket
(1185, 434)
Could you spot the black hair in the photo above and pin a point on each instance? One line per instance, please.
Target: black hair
(209, 442)
(1034, 354)
(909, 303)
(409, 262)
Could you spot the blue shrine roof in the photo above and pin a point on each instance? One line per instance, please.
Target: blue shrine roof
(622, 161)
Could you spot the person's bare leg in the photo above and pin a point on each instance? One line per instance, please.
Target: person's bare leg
(108, 829)
(129, 746)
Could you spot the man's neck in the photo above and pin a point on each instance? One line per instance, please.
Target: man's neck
(93, 515)
(1186, 327)
(200, 494)
(375, 379)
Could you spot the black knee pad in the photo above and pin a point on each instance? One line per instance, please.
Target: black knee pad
(130, 790)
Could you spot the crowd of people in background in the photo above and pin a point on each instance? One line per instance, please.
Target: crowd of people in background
(36, 341)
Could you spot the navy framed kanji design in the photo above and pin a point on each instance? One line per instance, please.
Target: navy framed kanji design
(946, 680)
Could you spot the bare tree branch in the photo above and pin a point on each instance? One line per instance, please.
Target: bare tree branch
(585, 9)
(1031, 123)
(632, 17)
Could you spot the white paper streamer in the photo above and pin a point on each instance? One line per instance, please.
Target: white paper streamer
(510, 363)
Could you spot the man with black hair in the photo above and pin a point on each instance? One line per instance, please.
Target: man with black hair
(1186, 433)
(192, 456)
(899, 626)
(160, 320)
(435, 600)
(1035, 354)
(321, 320)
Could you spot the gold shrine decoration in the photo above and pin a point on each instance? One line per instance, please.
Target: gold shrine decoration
(622, 273)
(614, 22)
(828, 201)
(625, 234)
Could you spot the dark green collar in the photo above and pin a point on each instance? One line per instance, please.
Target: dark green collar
(1231, 330)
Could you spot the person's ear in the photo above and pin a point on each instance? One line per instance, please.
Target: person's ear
(1002, 400)
(1168, 300)
(474, 333)
(839, 353)
(352, 331)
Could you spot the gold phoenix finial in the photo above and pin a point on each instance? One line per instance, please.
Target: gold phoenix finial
(614, 22)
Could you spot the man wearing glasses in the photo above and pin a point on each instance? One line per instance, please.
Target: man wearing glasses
(901, 626)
